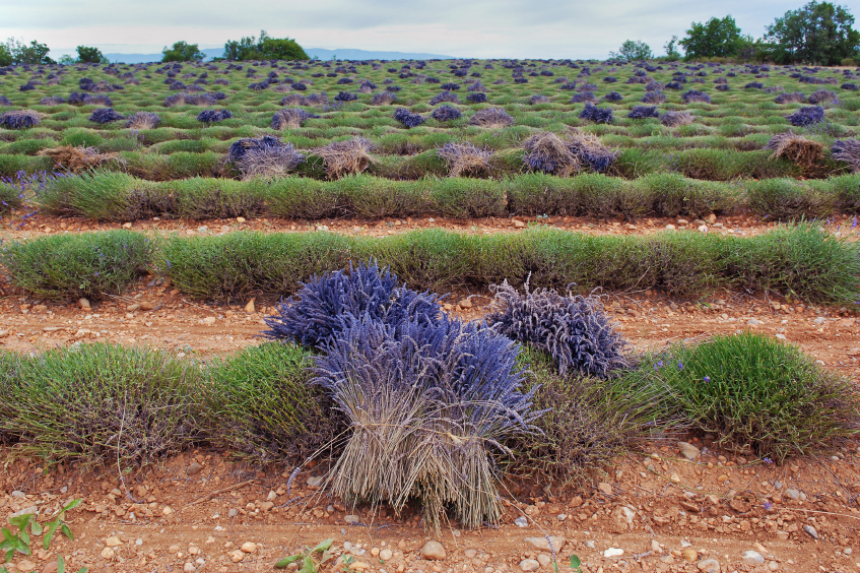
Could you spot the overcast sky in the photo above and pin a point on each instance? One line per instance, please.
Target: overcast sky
(481, 29)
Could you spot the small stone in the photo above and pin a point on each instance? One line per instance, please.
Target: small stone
(561, 516)
(688, 450)
(17, 494)
(272, 496)
(249, 308)
(782, 535)
(675, 478)
(209, 320)
(544, 559)
(236, 556)
(576, 501)
(519, 224)
(543, 543)
(670, 227)
(26, 565)
(189, 568)
(240, 219)
(529, 565)
(759, 547)
(350, 519)
(315, 481)
(233, 512)
(780, 337)
(613, 552)
(359, 566)
(590, 544)
(203, 230)
(167, 510)
(604, 488)
(32, 509)
(754, 322)
(690, 555)
(847, 551)
(113, 541)
(708, 566)
(386, 554)
(521, 522)
(108, 553)
(773, 565)
(752, 558)
(433, 551)
(655, 547)
(173, 549)
(792, 493)
(249, 547)
(711, 219)
(84, 304)
(193, 468)
(811, 531)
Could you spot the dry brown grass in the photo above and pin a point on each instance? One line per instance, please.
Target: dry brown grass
(349, 157)
(493, 117)
(143, 120)
(464, 159)
(677, 118)
(77, 159)
(796, 149)
(290, 118)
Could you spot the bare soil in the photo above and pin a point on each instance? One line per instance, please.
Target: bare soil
(667, 513)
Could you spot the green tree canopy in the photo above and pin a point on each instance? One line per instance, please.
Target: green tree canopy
(6, 57)
(87, 55)
(182, 52)
(21, 53)
(818, 33)
(266, 48)
(716, 38)
(633, 50)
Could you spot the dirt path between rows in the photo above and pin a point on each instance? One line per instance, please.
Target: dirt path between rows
(26, 224)
(204, 512)
(159, 316)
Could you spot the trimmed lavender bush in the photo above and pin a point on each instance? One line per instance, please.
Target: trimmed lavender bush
(346, 96)
(613, 96)
(477, 97)
(213, 115)
(105, 115)
(407, 118)
(696, 96)
(573, 329)
(445, 96)
(823, 96)
(806, 116)
(426, 404)
(596, 114)
(848, 150)
(317, 314)
(5, 101)
(446, 113)
(19, 119)
(643, 112)
(265, 156)
(653, 97)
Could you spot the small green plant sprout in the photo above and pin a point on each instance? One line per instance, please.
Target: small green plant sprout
(60, 523)
(61, 565)
(575, 564)
(20, 541)
(309, 563)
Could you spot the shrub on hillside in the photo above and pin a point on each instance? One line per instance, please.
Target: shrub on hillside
(493, 117)
(596, 114)
(464, 159)
(848, 150)
(213, 115)
(19, 119)
(265, 156)
(643, 112)
(105, 115)
(349, 157)
(101, 403)
(446, 113)
(755, 393)
(407, 118)
(89, 265)
(260, 404)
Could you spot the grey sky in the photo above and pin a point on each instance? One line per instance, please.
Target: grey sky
(486, 29)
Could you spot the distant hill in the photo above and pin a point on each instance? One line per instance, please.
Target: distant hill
(344, 54)
(347, 54)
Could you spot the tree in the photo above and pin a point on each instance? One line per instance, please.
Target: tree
(631, 50)
(671, 47)
(265, 48)
(66, 60)
(6, 57)
(714, 39)
(182, 52)
(33, 53)
(87, 55)
(818, 33)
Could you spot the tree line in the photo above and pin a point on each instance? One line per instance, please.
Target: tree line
(819, 33)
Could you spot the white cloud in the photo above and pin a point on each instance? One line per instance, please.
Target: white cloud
(497, 28)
